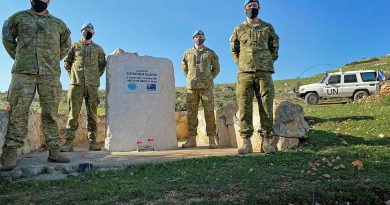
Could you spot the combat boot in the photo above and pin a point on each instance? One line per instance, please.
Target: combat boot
(246, 147)
(67, 147)
(56, 156)
(9, 158)
(190, 143)
(93, 146)
(212, 144)
(266, 145)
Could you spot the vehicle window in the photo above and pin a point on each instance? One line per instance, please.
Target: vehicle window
(334, 79)
(368, 77)
(323, 79)
(350, 78)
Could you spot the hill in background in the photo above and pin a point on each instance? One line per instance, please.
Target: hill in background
(225, 94)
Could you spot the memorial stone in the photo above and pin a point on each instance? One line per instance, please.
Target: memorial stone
(140, 103)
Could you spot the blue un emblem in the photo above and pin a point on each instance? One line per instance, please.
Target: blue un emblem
(132, 86)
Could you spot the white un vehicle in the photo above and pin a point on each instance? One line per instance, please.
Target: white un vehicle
(350, 84)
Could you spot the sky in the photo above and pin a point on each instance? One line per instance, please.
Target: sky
(311, 32)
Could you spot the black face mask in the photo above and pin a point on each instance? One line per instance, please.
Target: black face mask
(87, 35)
(200, 41)
(38, 5)
(252, 13)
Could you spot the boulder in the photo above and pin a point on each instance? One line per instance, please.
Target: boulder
(35, 139)
(225, 125)
(82, 132)
(202, 138)
(255, 139)
(4, 119)
(181, 126)
(289, 125)
(226, 133)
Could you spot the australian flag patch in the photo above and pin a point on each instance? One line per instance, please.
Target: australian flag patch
(151, 87)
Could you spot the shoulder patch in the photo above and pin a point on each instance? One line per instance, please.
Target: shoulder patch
(6, 22)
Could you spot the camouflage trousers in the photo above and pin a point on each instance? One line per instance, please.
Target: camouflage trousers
(76, 95)
(194, 96)
(257, 84)
(20, 96)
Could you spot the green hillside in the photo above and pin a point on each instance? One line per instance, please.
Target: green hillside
(225, 94)
(364, 64)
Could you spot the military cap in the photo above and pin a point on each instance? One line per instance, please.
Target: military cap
(87, 25)
(246, 2)
(198, 32)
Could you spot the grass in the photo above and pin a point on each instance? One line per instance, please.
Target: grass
(341, 134)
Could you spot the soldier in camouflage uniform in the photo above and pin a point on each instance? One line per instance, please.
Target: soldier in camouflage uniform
(200, 65)
(254, 47)
(85, 64)
(37, 41)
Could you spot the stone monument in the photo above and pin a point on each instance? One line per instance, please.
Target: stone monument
(140, 103)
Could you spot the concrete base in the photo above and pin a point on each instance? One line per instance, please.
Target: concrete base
(35, 166)
(107, 159)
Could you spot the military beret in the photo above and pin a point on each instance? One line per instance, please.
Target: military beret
(198, 32)
(87, 25)
(246, 2)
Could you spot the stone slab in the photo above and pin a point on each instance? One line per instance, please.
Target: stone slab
(35, 166)
(140, 103)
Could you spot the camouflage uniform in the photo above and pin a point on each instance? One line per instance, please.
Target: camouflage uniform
(85, 65)
(37, 44)
(200, 67)
(254, 49)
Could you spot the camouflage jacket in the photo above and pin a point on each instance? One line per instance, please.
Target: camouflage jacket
(200, 67)
(254, 47)
(85, 64)
(36, 43)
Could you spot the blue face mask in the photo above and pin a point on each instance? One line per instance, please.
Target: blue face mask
(200, 41)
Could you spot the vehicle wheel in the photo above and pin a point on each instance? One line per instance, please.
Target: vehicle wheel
(312, 98)
(359, 95)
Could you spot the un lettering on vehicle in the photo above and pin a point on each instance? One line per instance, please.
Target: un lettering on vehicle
(332, 91)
